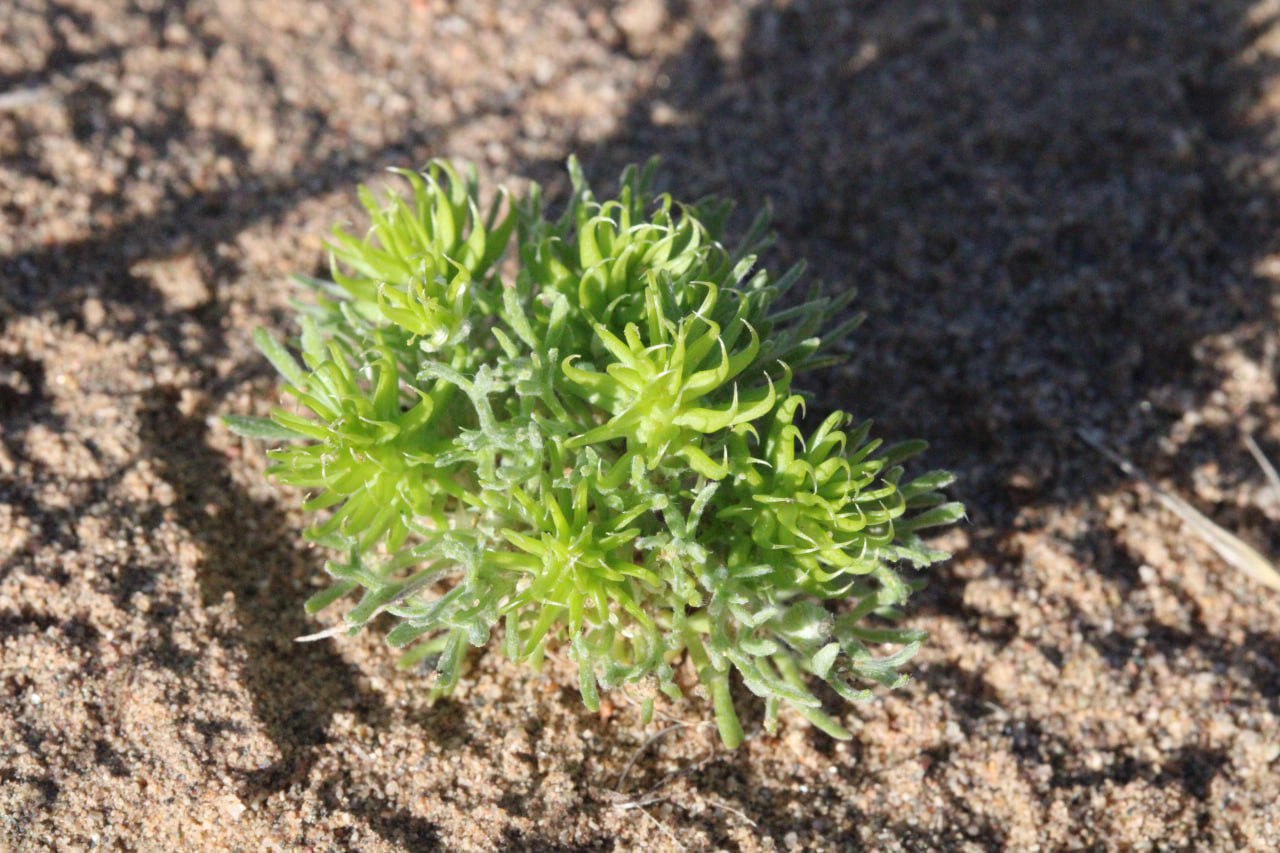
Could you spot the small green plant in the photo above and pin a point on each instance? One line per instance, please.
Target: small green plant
(591, 442)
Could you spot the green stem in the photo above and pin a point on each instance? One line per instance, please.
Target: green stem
(717, 684)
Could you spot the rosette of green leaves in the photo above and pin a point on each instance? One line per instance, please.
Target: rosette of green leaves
(595, 447)
(422, 273)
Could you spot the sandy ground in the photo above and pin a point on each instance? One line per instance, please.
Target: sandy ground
(1058, 215)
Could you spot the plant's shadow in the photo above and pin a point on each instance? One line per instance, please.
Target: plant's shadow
(1044, 207)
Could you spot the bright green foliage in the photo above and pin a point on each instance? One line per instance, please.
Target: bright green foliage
(591, 442)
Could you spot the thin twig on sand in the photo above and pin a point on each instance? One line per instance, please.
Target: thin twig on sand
(651, 796)
(1235, 551)
(16, 99)
(657, 736)
(1273, 479)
